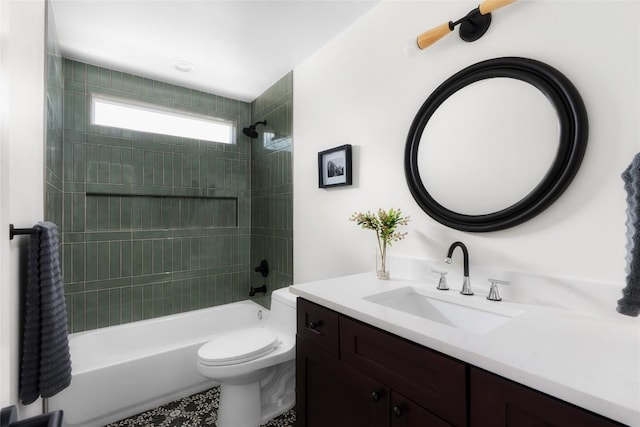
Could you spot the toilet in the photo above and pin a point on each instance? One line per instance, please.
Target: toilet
(255, 366)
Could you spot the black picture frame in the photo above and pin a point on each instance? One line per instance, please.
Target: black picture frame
(334, 167)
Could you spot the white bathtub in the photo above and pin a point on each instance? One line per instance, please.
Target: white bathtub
(123, 370)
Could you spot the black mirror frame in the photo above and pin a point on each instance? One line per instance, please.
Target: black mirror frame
(573, 126)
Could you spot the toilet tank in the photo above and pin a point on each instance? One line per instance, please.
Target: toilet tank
(282, 317)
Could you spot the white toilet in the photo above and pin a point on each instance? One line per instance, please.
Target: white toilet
(255, 366)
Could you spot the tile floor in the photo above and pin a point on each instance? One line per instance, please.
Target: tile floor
(198, 410)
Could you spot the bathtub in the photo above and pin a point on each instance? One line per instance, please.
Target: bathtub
(122, 370)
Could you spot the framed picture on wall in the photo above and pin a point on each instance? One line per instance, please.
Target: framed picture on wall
(334, 167)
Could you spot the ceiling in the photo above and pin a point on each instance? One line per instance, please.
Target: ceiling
(235, 48)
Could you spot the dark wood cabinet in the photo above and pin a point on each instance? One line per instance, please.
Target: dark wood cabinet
(350, 374)
(354, 375)
(498, 402)
(330, 393)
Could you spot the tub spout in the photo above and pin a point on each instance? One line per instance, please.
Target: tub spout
(253, 291)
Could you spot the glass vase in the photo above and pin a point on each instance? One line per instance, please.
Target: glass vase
(382, 272)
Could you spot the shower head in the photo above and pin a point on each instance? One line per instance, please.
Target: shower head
(251, 130)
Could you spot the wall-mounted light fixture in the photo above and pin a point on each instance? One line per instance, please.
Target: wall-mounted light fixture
(472, 26)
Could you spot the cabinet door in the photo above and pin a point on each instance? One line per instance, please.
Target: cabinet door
(329, 393)
(405, 413)
(498, 402)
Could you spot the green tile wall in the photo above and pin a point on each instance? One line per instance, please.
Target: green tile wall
(151, 224)
(271, 186)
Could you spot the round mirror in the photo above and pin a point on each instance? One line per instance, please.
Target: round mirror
(495, 144)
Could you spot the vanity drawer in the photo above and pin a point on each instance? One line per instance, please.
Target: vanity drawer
(431, 379)
(319, 325)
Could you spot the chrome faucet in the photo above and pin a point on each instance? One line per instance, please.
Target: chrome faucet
(466, 283)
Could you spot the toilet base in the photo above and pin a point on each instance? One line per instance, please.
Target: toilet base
(240, 405)
(257, 402)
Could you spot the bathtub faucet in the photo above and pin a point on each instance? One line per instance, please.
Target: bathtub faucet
(253, 291)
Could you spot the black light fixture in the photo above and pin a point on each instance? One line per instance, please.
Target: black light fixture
(472, 26)
(251, 130)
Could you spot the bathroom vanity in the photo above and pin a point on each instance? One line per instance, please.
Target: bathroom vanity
(363, 362)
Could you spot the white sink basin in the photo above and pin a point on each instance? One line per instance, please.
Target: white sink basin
(471, 319)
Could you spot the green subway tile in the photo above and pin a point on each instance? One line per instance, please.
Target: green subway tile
(126, 259)
(103, 309)
(108, 236)
(71, 86)
(147, 257)
(156, 212)
(114, 212)
(93, 75)
(167, 169)
(167, 298)
(177, 255)
(158, 169)
(104, 164)
(103, 213)
(79, 72)
(91, 310)
(147, 176)
(126, 213)
(104, 78)
(91, 261)
(157, 256)
(127, 166)
(155, 234)
(177, 170)
(78, 309)
(126, 305)
(99, 285)
(167, 247)
(103, 260)
(137, 303)
(127, 83)
(138, 166)
(116, 80)
(79, 112)
(115, 173)
(136, 258)
(147, 88)
(77, 252)
(186, 254)
(150, 278)
(115, 297)
(115, 253)
(190, 274)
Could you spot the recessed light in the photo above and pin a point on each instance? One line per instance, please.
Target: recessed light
(184, 66)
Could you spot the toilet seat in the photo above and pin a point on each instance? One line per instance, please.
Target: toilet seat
(237, 347)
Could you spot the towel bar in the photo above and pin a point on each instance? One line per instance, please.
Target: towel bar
(18, 231)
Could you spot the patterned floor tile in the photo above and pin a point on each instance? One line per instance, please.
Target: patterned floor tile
(198, 410)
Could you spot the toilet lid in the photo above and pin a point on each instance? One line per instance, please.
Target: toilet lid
(237, 347)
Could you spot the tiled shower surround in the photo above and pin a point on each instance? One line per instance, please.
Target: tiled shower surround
(271, 186)
(152, 224)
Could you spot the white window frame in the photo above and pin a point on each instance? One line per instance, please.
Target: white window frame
(142, 117)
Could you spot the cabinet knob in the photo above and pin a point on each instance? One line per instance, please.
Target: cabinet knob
(375, 396)
(397, 411)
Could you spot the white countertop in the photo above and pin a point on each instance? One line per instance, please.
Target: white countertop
(589, 359)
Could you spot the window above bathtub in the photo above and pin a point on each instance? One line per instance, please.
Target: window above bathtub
(143, 117)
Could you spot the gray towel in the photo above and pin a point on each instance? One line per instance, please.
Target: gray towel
(630, 302)
(46, 361)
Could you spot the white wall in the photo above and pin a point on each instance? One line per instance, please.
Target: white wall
(361, 89)
(22, 80)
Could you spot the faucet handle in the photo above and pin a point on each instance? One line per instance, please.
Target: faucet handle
(494, 295)
(442, 283)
